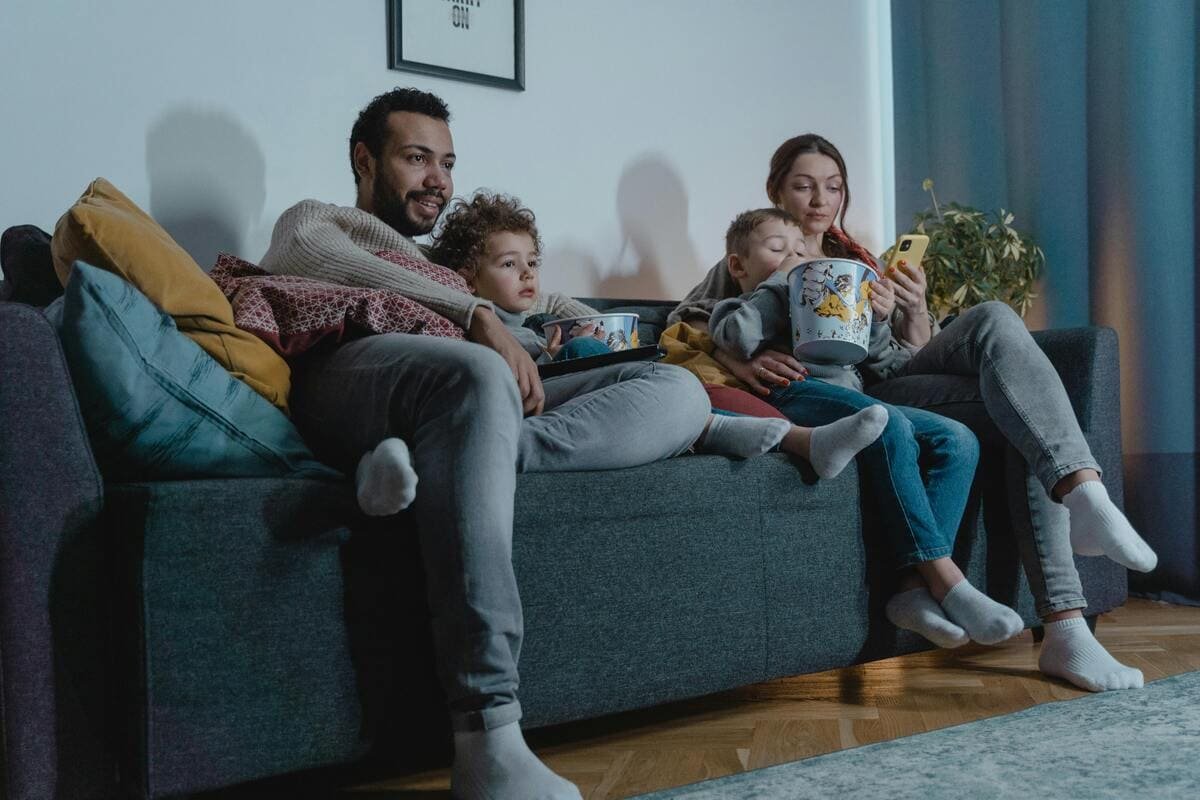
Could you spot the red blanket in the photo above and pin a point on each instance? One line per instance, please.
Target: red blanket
(292, 314)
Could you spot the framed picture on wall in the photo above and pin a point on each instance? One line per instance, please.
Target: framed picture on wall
(482, 41)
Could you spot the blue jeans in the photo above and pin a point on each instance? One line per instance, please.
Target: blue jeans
(918, 473)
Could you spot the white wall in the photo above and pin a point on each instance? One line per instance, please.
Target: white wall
(646, 125)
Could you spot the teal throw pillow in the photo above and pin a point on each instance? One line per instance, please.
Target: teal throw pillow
(158, 407)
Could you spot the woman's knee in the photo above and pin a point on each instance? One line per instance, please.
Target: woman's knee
(994, 319)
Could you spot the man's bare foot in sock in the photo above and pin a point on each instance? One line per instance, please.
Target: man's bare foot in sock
(385, 481)
(496, 764)
(1071, 652)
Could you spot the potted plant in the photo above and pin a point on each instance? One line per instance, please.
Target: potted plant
(974, 256)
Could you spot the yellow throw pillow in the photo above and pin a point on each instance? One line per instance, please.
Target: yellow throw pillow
(106, 229)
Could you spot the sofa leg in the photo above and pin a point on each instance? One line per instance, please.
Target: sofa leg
(1039, 632)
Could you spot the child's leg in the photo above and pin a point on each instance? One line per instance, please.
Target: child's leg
(385, 481)
(984, 620)
(734, 435)
(829, 448)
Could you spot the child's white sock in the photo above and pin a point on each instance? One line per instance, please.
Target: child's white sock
(915, 610)
(832, 446)
(385, 480)
(742, 436)
(1098, 528)
(1071, 652)
(984, 620)
(496, 764)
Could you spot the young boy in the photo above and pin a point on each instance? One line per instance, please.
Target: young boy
(917, 475)
(492, 241)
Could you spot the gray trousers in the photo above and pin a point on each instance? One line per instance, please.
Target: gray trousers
(457, 407)
(1023, 395)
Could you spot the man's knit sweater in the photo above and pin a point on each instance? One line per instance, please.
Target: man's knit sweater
(337, 244)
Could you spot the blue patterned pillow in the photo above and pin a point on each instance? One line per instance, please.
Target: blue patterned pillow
(158, 407)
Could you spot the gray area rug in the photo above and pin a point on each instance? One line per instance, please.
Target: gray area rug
(1136, 744)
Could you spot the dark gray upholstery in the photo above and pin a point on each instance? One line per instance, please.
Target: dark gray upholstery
(257, 627)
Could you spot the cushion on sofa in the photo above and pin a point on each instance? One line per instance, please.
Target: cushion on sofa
(106, 229)
(155, 404)
(293, 313)
(28, 267)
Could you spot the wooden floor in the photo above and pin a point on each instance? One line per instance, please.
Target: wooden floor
(795, 718)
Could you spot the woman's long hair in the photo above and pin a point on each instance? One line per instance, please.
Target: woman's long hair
(781, 164)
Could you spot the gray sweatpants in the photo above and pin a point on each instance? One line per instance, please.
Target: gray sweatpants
(1023, 395)
(456, 404)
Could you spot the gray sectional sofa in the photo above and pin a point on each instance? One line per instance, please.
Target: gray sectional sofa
(165, 638)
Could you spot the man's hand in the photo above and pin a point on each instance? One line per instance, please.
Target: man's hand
(768, 368)
(487, 329)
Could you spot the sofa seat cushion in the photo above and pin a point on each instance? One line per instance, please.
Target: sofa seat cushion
(155, 404)
(106, 229)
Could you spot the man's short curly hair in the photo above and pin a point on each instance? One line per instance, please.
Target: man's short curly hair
(460, 243)
(737, 238)
(371, 126)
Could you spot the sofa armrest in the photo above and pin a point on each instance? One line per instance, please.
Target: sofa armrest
(50, 497)
(1088, 362)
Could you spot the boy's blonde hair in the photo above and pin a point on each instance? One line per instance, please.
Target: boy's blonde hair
(460, 243)
(737, 238)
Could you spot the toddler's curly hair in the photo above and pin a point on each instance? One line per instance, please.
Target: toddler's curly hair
(460, 243)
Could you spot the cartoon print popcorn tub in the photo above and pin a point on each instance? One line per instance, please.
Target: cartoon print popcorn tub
(831, 312)
(616, 331)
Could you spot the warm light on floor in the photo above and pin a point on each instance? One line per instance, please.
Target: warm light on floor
(794, 718)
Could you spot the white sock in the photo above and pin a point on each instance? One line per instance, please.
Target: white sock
(385, 480)
(497, 765)
(915, 610)
(984, 620)
(1071, 652)
(1098, 528)
(833, 445)
(742, 436)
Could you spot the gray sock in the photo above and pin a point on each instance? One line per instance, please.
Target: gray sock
(385, 482)
(915, 610)
(833, 445)
(984, 620)
(496, 764)
(742, 437)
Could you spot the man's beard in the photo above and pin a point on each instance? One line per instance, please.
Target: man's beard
(393, 209)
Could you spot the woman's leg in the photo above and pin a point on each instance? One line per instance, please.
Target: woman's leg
(1026, 399)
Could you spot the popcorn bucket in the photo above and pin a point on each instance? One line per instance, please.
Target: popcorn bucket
(830, 310)
(616, 331)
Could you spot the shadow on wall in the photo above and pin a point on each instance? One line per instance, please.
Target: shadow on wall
(657, 260)
(207, 178)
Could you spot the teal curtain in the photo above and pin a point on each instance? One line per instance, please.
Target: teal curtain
(1080, 117)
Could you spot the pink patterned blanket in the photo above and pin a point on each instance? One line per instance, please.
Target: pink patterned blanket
(292, 314)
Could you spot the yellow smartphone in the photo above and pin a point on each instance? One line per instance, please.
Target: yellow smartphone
(909, 248)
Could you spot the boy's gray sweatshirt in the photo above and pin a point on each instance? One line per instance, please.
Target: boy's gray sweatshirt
(762, 319)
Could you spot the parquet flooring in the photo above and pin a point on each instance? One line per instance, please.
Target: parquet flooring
(794, 718)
